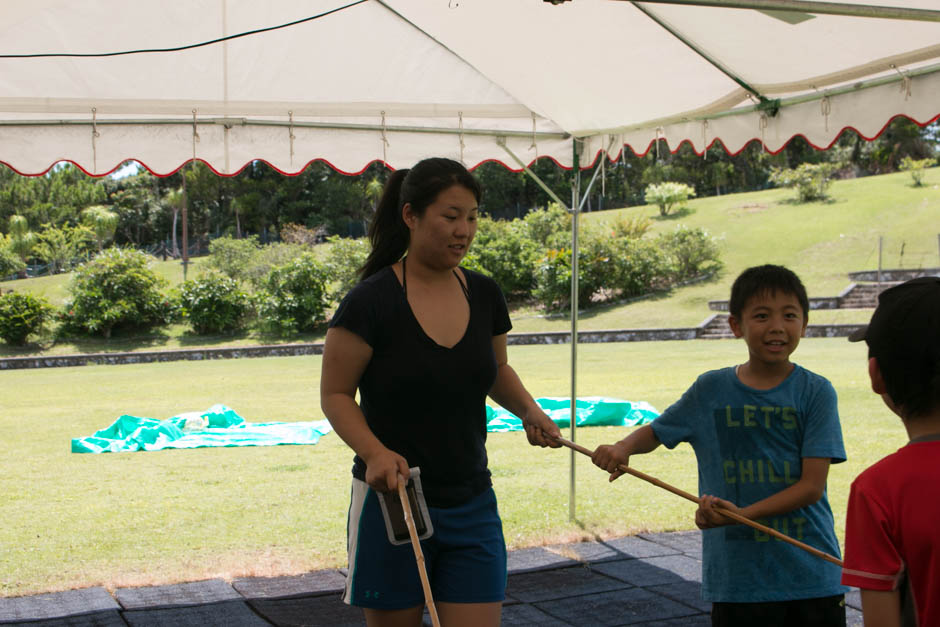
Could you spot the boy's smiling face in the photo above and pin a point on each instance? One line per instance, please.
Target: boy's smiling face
(771, 324)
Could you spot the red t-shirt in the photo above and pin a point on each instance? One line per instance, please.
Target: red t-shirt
(892, 527)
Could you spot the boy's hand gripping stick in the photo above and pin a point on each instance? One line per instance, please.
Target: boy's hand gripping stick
(732, 515)
(419, 555)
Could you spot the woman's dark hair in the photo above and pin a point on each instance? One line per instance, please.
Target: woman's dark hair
(419, 186)
(766, 279)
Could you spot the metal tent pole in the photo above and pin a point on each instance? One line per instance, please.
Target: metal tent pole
(812, 6)
(575, 212)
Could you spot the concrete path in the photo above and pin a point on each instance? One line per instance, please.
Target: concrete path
(650, 579)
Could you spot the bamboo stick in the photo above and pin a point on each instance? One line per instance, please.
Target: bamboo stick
(419, 554)
(732, 515)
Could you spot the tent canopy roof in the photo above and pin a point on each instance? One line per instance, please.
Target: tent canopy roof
(396, 80)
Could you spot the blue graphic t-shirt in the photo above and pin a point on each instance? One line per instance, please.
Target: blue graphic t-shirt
(749, 445)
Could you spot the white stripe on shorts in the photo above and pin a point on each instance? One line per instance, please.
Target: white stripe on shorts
(357, 499)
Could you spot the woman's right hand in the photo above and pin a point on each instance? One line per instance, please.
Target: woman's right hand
(610, 457)
(382, 470)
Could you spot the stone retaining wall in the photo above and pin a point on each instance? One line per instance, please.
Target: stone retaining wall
(283, 350)
(893, 276)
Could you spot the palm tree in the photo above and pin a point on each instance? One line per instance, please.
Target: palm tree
(174, 200)
(22, 240)
(102, 221)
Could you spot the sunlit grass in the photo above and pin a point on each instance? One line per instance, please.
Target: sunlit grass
(74, 520)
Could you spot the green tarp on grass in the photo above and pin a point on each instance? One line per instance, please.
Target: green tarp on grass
(221, 426)
(590, 411)
(217, 426)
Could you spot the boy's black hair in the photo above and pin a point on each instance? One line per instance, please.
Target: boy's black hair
(766, 279)
(904, 336)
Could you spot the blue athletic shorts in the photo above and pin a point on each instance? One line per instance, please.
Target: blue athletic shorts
(465, 557)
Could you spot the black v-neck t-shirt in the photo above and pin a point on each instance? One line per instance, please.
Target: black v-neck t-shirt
(424, 401)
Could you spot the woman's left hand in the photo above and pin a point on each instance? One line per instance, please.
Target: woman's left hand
(540, 429)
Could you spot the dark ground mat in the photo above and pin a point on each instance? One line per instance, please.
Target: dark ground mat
(56, 604)
(181, 594)
(559, 583)
(110, 618)
(309, 611)
(607, 550)
(653, 571)
(308, 584)
(685, 592)
(619, 607)
(224, 614)
(537, 558)
(853, 598)
(699, 620)
(688, 542)
(519, 615)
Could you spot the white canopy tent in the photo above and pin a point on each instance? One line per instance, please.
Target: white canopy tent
(396, 80)
(350, 82)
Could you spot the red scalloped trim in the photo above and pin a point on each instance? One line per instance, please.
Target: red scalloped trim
(585, 166)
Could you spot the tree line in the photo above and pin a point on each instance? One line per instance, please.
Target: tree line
(260, 201)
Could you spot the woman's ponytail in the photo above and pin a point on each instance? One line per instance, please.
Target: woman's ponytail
(388, 232)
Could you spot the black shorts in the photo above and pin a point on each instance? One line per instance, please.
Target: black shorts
(817, 612)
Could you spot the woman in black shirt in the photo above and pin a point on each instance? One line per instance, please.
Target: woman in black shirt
(424, 342)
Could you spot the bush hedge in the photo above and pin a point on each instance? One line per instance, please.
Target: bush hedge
(116, 290)
(22, 315)
(214, 303)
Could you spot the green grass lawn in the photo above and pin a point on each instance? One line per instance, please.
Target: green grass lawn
(128, 519)
(146, 518)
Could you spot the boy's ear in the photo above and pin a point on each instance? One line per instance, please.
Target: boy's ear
(735, 326)
(874, 373)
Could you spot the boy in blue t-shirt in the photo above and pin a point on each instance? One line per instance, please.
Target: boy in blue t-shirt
(764, 434)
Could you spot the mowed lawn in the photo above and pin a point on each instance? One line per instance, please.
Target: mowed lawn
(128, 519)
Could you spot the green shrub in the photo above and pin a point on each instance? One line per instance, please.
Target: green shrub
(504, 251)
(553, 276)
(549, 228)
(22, 315)
(668, 195)
(345, 258)
(269, 257)
(691, 252)
(213, 303)
(295, 296)
(631, 228)
(811, 180)
(916, 168)
(117, 289)
(639, 266)
(10, 262)
(232, 257)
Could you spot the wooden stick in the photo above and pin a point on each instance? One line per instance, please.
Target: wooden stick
(721, 510)
(416, 545)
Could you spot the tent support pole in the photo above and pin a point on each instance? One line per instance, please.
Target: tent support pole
(577, 203)
(575, 212)
(813, 6)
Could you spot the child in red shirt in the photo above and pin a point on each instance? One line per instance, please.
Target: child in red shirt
(892, 542)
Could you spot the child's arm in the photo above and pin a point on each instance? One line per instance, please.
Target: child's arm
(610, 456)
(881, 608)
(806, 491)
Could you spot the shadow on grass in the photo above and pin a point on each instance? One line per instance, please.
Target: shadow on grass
(793, 200)
(674, 215)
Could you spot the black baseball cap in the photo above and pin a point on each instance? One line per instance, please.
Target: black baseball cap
(906, 321)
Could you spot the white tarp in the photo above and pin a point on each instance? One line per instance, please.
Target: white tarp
(397, 80)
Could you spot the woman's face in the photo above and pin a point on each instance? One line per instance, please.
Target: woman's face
(442, 236)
